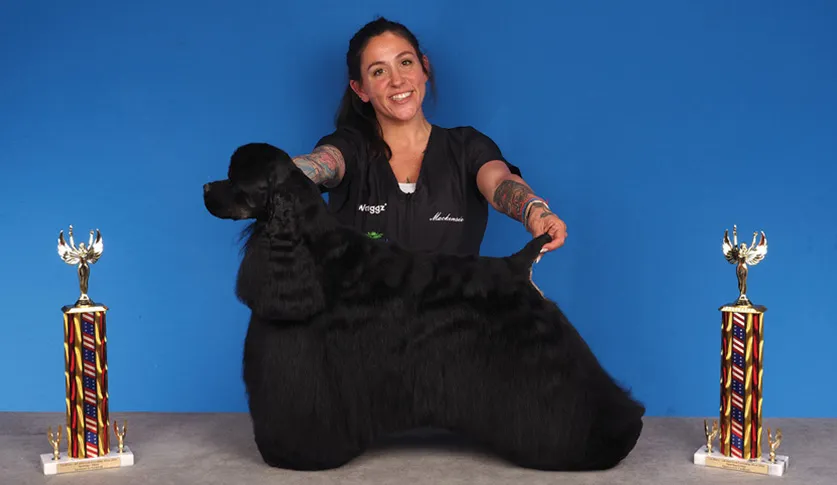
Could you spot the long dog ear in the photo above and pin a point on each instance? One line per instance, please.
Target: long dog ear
(279, 278)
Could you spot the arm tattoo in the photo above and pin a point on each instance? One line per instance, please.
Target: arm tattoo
(323, 166)
(510, 196)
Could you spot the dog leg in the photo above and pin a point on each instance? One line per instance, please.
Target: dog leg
(314, 452)
(298, 419)
(550, 433)
(537, 397)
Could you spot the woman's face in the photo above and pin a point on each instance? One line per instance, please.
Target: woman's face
(391, 77)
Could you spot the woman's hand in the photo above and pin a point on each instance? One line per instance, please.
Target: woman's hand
(542, 221)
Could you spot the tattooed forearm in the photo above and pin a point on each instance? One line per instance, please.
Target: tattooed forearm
(517, 200)
(510, 196)
(323, 166)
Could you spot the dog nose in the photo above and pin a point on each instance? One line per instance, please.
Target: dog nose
(205, 188)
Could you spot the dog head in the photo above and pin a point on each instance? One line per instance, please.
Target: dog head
(259, 176)
(279, 277)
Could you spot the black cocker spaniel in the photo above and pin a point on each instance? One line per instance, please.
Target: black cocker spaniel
(352, 338)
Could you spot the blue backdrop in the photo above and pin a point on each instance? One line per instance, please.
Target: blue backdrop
(651, 127)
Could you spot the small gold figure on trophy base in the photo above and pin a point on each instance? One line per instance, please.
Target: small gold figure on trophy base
(710, 435)
(774, 440)
(55, 441)
(120, 435)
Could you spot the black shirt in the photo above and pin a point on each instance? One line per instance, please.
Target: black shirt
(445, 213)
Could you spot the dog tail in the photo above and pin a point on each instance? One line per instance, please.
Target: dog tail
(531, 252)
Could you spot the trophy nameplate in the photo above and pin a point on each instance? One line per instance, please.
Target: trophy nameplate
(87, 424)
(742, 343)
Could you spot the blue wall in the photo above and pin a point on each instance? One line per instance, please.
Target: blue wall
(651, 127)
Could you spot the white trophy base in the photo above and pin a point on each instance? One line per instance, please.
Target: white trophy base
(65, 464)
(762, 467)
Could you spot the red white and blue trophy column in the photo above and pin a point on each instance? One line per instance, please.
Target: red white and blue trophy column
(740, 444)
(87, 428)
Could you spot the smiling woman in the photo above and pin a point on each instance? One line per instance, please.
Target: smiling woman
(430, 187)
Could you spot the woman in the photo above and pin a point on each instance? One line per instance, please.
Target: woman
(392, 174)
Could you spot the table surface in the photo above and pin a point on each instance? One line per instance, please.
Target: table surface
(218, 449)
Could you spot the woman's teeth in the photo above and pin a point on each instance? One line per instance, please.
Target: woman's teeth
(399, 97)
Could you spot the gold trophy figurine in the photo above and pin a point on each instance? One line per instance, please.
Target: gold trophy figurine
(741, 256)
(120, 435)
(774, 440)
(83, 256)
(710, 435)
(55, 441)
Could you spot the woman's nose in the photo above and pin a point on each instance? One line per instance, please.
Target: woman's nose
(396, 78)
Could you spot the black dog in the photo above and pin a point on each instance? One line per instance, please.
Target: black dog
(351, 338)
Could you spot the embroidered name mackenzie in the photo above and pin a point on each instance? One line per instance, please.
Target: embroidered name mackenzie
(448, 218)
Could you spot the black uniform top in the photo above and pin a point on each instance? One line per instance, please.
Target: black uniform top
(445, 213)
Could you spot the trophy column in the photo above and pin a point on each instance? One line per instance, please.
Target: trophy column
(741, 381)
(87, 422)
(86, 379)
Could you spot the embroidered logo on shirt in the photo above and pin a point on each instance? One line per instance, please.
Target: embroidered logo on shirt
(447, 218)
(372, 209)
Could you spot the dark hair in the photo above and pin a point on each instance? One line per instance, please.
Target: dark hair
(353, 112)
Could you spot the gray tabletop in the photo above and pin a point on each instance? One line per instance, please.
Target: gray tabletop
(218, 449)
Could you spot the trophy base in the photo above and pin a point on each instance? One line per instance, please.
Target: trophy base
(761, 467)
(65, 464)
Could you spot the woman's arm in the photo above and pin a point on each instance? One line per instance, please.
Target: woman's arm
(511, 195)
(325, 165)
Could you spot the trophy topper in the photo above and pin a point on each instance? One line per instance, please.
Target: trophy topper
(742, 256)
(83, 256)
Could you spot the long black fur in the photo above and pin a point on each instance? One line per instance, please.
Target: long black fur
(352, 338)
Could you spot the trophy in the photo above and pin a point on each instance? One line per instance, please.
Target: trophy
(742, 329)
(85, 376)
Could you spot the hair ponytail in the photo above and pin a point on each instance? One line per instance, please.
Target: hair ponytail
(354, 113)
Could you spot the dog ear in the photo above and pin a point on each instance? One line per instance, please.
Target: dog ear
(288, 291)
(279, 278)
